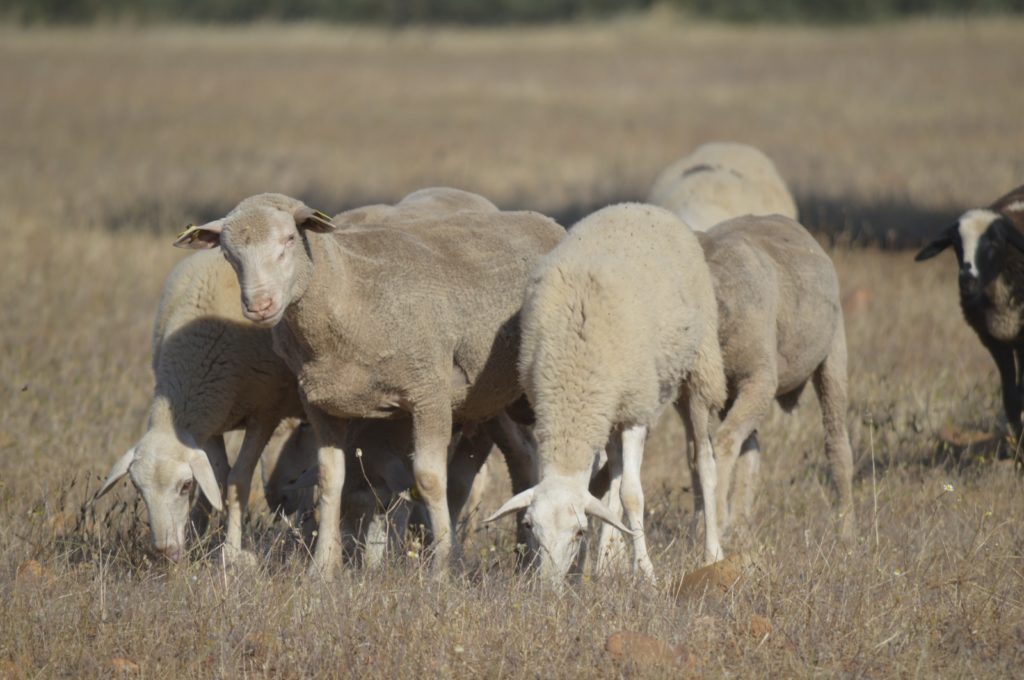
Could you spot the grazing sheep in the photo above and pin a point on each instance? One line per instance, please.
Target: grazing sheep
(618, 322)
(780, 324)
(719, 181)
(992, 287)
(215, 371)
(430, 202)
(417, 316)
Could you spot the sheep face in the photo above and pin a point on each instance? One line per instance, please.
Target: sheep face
(980, 239)
(556, 517)
(167, 473)
(262, 239)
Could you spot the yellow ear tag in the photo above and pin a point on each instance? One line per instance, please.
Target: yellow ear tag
(322, 218)
(191, 231)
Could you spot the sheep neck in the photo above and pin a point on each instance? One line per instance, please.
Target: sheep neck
(319, 275)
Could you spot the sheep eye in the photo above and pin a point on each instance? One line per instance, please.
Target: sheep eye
(528, 524)
(186, 488)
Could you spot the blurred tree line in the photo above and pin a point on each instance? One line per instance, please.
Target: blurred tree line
(401, 12)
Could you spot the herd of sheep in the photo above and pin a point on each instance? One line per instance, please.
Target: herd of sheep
(379, 355)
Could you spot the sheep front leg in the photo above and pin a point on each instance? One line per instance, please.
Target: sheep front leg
(633, 439)
(516, 443)
(696, 412)
(257, 434)
(199, 518)
(432, 428)
(610, 545)
(330, 435)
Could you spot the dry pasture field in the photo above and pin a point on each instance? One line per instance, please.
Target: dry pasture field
(112, 138)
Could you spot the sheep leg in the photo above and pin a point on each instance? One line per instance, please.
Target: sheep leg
(830, 381)
(470, 454)
(257, 435)
(610, 546)
(753, 400)
(631, 490)
(330, 436)
(199, 518)
(516, 444)
(696, 412)
(432, 428)
(1002, 354)
(747, 470)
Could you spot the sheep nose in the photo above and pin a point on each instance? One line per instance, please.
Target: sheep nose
(259, 307)
(171, 552)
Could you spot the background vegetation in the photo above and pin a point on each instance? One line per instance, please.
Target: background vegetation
(403, 12)
(114, 137)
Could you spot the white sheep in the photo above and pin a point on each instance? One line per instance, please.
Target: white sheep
(618, 322)
(418, 315)
(429, 202)
(780, 324)
(719, 181)
(215, 371)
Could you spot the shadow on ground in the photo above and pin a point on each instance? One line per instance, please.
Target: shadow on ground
(890, 224)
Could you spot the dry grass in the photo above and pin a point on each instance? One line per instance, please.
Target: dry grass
(111, 139)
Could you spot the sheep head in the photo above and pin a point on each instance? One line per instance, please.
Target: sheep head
(980, 238)
(167, 472)
(556, 517)
(261, 238)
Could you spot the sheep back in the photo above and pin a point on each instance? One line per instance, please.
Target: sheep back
(719, 181)
(212, 366)
(772, 278)
(615, 318)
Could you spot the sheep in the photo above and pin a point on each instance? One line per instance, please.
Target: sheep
(719, 181)
(429, 202)
(992, 287)
(780, 324)
(419, 316)
(215, 371)
(618, 321)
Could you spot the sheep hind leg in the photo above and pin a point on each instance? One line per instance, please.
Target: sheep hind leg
(753, 400)
(746, 477)
(830, 380)
(432, 429)
(695, 412)
(632, 493)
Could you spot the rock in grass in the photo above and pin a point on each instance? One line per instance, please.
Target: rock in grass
(714, 580)
(627, 646)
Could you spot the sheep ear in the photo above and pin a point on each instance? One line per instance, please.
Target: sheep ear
(1013, 236)
(938, 245)
(305, 480)
(117, 472)
(200, 236)
(596, 508)
(202, 471)
(516, 503)
(314, 220)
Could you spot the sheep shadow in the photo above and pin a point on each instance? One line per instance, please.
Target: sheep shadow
(890, 224)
